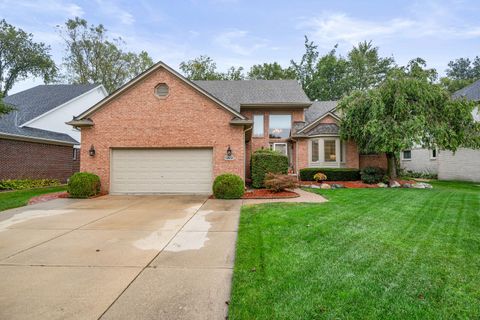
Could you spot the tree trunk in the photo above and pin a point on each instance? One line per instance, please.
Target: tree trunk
(392, 166)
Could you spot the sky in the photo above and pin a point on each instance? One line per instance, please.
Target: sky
(243, 33)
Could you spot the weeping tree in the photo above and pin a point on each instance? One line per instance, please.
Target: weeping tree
(408, 109)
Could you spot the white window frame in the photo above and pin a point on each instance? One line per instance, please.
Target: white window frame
(283, 144)
(340, 151)
(279, 114)
(263, 125)
(432, 157)
(403, 155)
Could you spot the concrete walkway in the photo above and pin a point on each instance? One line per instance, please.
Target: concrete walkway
(118, 257)
(305, 196)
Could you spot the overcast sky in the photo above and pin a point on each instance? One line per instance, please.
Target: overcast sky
(243, 33)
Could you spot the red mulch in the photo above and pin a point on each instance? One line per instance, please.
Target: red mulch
(267, 194)
(48, 197)
(352, 184)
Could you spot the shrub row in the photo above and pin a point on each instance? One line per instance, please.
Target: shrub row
(267, 161)
(373, 175)
(333, 174)
(21, 184)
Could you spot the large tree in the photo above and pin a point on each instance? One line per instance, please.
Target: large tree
(460, 73)
(204, 68)
(331, 76)
(407, 109)
(366, 68)
(91, 57)
(271, 71)
(21, 57)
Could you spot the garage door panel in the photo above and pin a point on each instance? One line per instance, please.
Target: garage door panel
(161, 171)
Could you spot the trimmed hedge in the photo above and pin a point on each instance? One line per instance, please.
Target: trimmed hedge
(267, 161)
(83, 185)
(333, 174)
(373, 175)
(228, 186)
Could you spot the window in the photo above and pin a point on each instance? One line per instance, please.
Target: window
(330, 151)
(433, 154)
(407, 155)
(258, 125)
(161, 90)
(75, 154)
(315, 151)
(281, 147)
(342, 151)
(279, 126)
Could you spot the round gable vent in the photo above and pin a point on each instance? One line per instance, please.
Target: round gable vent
(161, 90)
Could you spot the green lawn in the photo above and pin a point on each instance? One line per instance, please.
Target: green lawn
(14, 199)
(366, 254)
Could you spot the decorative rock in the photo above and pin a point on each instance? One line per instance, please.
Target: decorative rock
(381, 185)
(395, 184)
(314, 186)
(407, 185)
(337, 186)
(325, 186)
(419, 186)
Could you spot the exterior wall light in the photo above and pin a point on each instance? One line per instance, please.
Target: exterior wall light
(91, 152)
(229, 154)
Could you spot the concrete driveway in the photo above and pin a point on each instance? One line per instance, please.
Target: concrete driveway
(118, 257)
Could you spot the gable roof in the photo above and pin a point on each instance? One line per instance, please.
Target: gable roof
(237, 93)
(318, 109)
(143, 75)
(471, 92)
(38, 100)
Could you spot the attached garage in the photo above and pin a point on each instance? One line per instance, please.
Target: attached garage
(136, 171)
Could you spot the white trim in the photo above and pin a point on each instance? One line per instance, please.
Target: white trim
(314, 123)
(146, 73)
(281, 143)
(63, 105)
(402, 155)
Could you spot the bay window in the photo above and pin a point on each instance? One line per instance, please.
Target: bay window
(327, 152)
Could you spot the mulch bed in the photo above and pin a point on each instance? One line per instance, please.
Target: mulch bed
(48, 197)
(351, 184)
(267, 194)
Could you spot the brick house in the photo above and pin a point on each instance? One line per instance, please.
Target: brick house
(35, 142)
(164, 133)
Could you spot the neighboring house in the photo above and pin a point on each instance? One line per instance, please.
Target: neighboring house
(464, 164)
(35, 141)
(164, 133)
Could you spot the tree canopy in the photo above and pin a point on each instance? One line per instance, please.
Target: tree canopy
(92, 58)
(21, 57)
(407, 109)
(271, 71)
(204, 68)
(460, 73)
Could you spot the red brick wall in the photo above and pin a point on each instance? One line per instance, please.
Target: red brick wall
(139, 119)
(373, 160)
(29, 160)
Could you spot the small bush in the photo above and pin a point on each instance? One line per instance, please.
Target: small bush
(83, 185)
(373, 175)
(421, 175)
(267, 161)
(22, 184)
(319, 177)
(333, 174)
(279, 182)
(228, 186)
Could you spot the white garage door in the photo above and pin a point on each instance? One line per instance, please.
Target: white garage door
(161, 171)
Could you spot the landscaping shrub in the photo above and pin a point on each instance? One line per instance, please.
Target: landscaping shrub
(267, 161)
(228, 186)
(83, 185)
(21, 184)
(279, 182)
(415, 175)
(333, 174)
(373, 175)
(319, 177)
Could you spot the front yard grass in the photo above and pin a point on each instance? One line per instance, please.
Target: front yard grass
(14, 199)
(365, 254)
